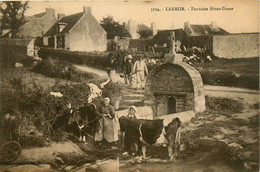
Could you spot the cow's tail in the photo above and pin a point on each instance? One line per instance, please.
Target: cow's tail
(178, 132)
(141, 136)
(178, 136)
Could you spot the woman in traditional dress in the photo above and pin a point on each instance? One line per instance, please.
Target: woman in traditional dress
(107, 127)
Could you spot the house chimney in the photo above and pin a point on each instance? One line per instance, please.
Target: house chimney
(172, 25)
(50, 11)
(214, 24)
(60, 16)
(154, 28)
(187, 28)
(87, 10)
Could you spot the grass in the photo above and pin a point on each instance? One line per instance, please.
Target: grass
(231, 72)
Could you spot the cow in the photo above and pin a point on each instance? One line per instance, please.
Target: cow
(152, 132)
(85, 119)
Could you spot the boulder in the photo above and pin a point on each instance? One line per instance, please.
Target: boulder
(18, 65)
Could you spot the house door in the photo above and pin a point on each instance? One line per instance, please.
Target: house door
(171, 105)
(51, 42)
(61, 41)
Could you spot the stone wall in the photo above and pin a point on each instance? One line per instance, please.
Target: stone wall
(236, 45)
(177, 80)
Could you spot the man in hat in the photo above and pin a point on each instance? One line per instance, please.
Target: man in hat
(106, 127)
(127, 68)
(140, 69)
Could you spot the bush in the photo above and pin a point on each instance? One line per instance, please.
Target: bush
(94, 59)
(38, 110)
(224, 105)
(113, 91)
(63, 70)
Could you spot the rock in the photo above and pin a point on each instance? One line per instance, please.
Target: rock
(59, 160)
(68, 168)
(18, 65)
(245, 155)
(37, 58)
(154, 160)
(235, 145)
(45, 166)
(89, 169)
(246, 166)
(122, 165)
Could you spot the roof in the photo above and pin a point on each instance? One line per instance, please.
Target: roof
(165, 35)
(207, 30)
(16, 42)
(125, 33)
(39, 15)
(70, 20)
(142, 27)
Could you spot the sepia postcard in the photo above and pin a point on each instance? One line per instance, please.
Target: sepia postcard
(138, 86)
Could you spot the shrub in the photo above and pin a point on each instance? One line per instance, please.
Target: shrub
(224, 105)
(62, 70)
(38, 110)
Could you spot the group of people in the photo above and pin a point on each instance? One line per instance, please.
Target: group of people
(134, 74)
(108, 129)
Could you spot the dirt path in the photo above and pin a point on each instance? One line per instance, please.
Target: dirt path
(101, 73)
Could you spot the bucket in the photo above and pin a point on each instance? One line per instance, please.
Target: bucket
(108, 165)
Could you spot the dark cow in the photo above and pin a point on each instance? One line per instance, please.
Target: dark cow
(152, 132)
(85, 119)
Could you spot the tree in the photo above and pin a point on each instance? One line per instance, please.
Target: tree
(13, 15)
(145, 33)
(112, 27)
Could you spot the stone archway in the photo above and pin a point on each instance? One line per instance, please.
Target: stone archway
(179, 81)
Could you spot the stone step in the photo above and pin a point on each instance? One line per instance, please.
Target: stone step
(133, 97)
(132, 102)
(123, 107)
(133, 91)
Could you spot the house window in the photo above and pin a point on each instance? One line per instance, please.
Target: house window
(155, 45)
(61, 26)
(165, 45)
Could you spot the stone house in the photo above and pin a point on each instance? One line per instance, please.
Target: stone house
(77, 32)
(202, 30)
(36, 26)
(163, 40)
(134, 28)
(200, 35)
(174, 87)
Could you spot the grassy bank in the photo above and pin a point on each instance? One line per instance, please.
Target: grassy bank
(231, 72)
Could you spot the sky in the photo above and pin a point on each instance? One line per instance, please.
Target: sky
(243, 18)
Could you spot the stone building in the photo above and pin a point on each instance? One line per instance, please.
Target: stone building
(174, 87)
(164, 40)
(38, 24)
(35, 26)
(77, 32)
